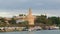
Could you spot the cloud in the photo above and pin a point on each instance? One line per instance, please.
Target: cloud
(17, 4)
(13, 7)
(11, 13)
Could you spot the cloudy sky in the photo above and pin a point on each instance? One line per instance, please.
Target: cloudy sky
(9, 8)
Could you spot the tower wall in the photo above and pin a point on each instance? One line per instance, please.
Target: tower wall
(30, 17)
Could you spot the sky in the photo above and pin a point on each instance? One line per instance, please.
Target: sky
(9, 8)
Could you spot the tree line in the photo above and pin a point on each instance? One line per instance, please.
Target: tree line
(53, 20)
(39, 20)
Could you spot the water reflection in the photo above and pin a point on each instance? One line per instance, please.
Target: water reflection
(34, 32)
(31, 33)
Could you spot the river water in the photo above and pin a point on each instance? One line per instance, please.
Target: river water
(34, 32)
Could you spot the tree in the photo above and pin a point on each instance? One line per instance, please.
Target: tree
(22, 15)
(12, 21)
(55, 20)
(41, 19)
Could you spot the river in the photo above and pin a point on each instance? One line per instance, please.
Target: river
(34, 32)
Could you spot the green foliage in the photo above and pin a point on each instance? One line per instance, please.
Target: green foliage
(22, 14)
(12, 21)
(55, 20)
(41, 19)
(48, 21)
(24, 23)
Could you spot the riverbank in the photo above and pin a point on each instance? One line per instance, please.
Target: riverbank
(36, 28)
(10, 29)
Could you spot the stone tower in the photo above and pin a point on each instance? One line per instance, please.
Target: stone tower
(30, 17)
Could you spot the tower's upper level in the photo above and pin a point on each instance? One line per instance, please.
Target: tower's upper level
(30, 11)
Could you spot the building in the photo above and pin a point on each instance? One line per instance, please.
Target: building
(22, 18)
(29, 18)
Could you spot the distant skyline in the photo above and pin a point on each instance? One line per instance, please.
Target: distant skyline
(9, 8)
